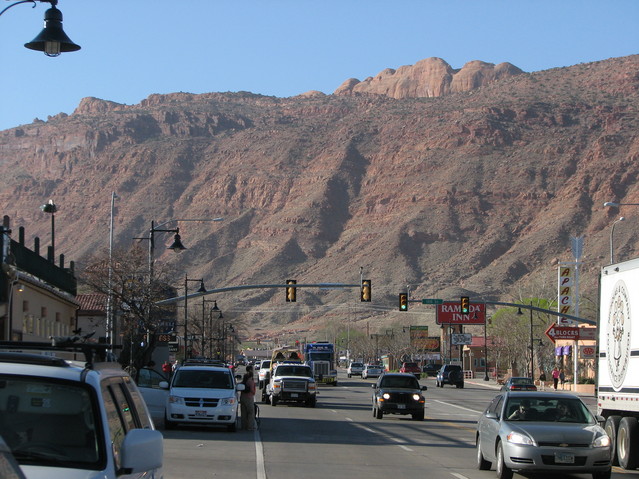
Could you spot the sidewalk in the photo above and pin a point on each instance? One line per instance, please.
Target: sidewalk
(492, 384)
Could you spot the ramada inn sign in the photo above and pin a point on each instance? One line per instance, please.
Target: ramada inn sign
(449, 312)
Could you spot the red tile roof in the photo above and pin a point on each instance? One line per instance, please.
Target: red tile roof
(94, 302)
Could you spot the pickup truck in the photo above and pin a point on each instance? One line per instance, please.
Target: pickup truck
(292, 382)
(411, 368)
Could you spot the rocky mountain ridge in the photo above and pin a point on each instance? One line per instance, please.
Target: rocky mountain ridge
(476, 191)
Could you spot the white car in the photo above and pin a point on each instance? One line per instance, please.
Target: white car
(372, 371)
(68, 419)
(203, 395)
(355, 369)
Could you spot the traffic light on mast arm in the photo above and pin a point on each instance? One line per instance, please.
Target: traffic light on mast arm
(403, 301)
(291, 291)
(465, 304)
(365, 292)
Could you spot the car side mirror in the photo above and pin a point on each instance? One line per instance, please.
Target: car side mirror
(424, 388)
(491, 415)
(163, 384)
(240, 387)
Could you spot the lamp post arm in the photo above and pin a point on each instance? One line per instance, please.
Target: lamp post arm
(18, 3)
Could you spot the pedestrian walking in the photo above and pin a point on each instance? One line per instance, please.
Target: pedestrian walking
(542, 381)
(562, 378)
(247, 400)
(555, 377)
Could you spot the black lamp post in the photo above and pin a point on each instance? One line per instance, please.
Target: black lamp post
(51, 208)
(51, 40)
(186, 311)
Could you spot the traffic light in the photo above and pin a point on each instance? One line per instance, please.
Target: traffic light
(291, 291)
(403, 301)
(365, 293)
(465, 304)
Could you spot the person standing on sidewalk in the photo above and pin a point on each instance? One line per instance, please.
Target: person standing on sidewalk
(247, 401)
(542, 381)
(555, 377)
(562, 378)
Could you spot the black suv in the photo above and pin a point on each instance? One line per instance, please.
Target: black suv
(450, 374)
(398, 393)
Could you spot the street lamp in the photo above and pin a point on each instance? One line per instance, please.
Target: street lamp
(51, 40)
(186, 310)
(612, 232)
(51, 208)
(532, 357)
(204, 301)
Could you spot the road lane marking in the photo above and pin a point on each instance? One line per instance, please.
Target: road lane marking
(455, 405)
(406, 448)
(458, 476)
(348, 419)
(259, 456)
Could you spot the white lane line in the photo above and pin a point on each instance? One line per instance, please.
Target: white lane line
(458, 476)
(259, 456)
(368, 429)
(460, 407)
(396, 439)
(333, 410)
(406, 448)
(348, 419)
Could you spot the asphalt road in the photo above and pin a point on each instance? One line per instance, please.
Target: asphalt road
(341, 438)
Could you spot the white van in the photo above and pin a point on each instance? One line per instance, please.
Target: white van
(66, 419)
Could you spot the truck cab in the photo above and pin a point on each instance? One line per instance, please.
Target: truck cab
(291, 382)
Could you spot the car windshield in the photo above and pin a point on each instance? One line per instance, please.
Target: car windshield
(399, 382)
(521, 381)
(410, 365)
(294, 371)
(49, 423)
(531, 408)
(202, 379)
(357, 365)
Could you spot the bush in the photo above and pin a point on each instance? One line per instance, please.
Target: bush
(586, 381)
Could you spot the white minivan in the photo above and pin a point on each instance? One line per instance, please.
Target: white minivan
(203, 395)
(71, 419)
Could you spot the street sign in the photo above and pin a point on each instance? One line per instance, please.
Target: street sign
(555, 332)
(450, 313)
(432, 301)
(461, 338)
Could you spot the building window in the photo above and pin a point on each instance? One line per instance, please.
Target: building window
(57, 317)
(25, 306)
(43, 312)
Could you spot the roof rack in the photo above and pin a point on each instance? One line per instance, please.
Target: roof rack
(203, 362)
(99, 351)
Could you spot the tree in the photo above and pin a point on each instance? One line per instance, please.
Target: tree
(133, 299)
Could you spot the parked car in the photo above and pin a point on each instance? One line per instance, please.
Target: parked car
(203, 395)
(372, 371)
(411, 368)
(450, 374)
(398, 393)
(355, 369)
(154, 388)
(431, 369)
(519, 384)
(541, 433)
(59, 416)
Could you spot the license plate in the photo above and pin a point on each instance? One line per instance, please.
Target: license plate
(293, 395)
(200, 413)
(563, 458)
(401, 406)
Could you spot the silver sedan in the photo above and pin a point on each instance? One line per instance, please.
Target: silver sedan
(541, 432)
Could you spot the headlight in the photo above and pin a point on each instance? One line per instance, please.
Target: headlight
(517, 438)
(601, 441)
(227, 401)
(386, 396)
(176, 400)
(311, 386)
(416, 397)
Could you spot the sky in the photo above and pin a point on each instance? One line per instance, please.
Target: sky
(134, 48)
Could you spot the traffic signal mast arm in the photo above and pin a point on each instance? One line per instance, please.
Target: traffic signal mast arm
(259, 286)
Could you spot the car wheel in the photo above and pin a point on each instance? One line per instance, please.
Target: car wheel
(418, 416)
(349, 376)
(602, 475)
(482, 464)
(378, 413)
(627, 442)
(611, 427)
(232, 427)
(169, 425)
(273, 400)
(311, 402)
(503, 471)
